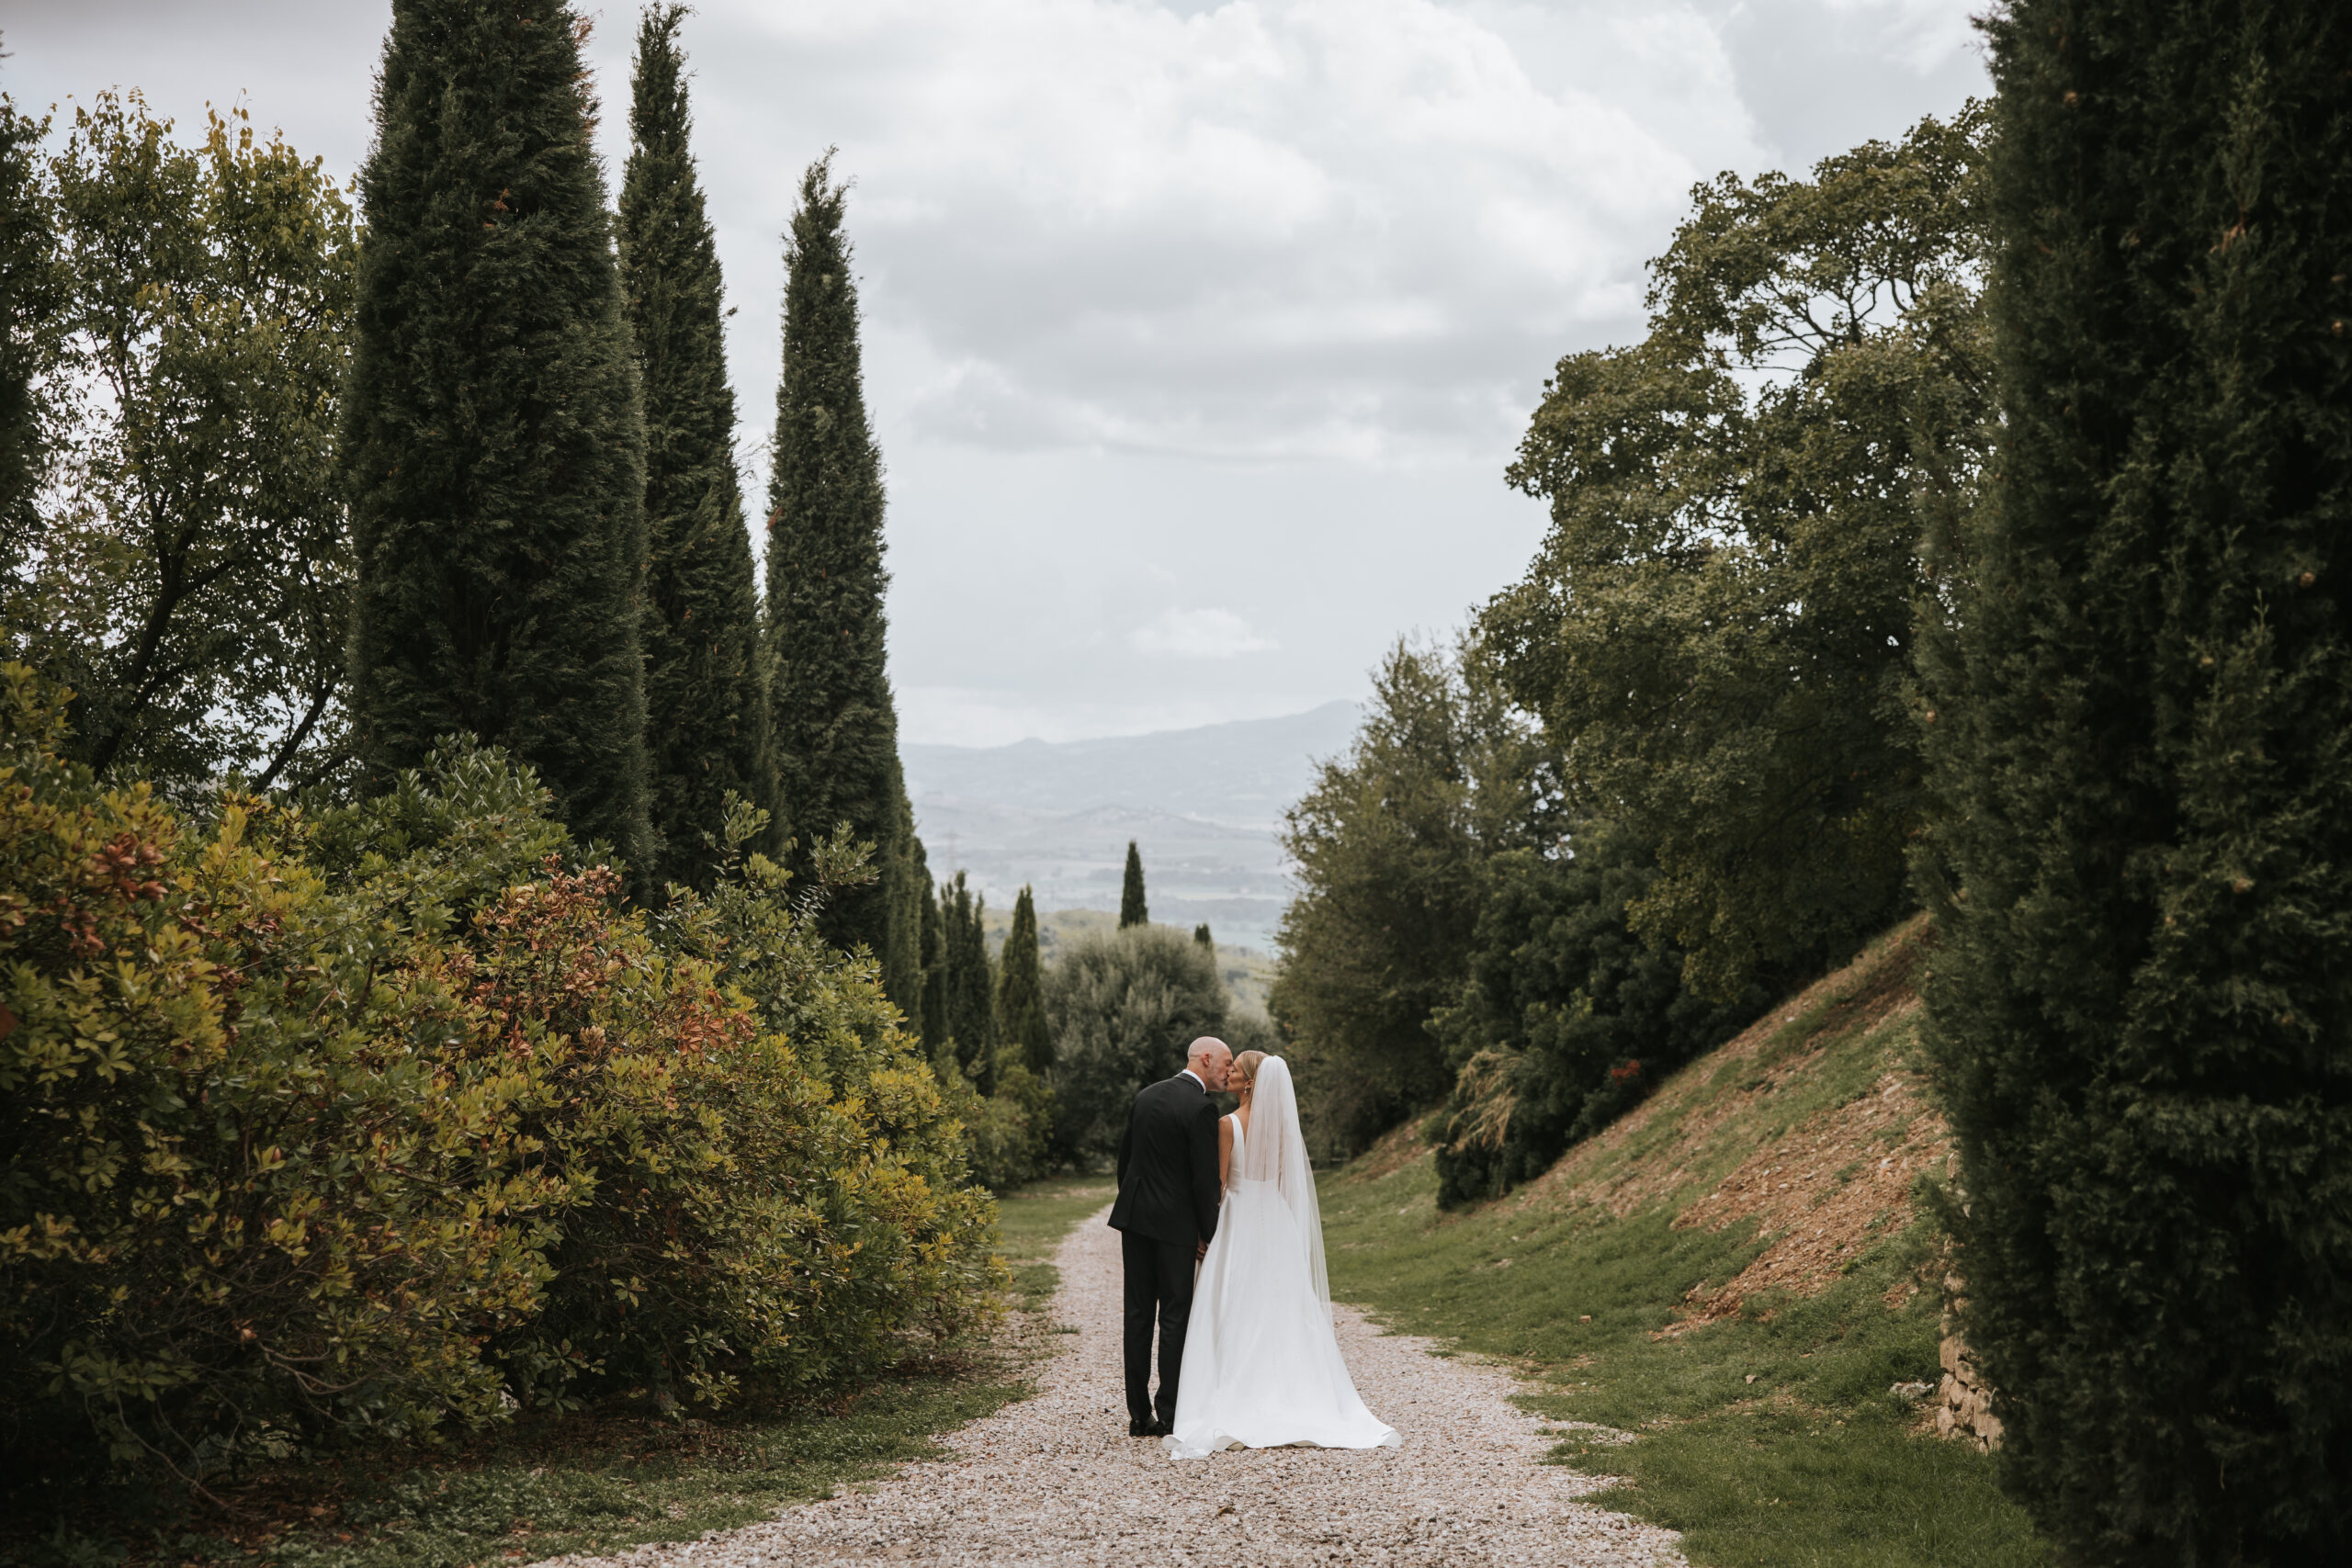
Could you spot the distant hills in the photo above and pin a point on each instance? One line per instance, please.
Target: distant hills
(1202, 806)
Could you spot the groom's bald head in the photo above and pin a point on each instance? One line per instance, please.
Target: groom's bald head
(1210, 1059)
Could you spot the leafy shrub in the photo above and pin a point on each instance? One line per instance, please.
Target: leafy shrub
(1123, 1006)
(766, 1183)
(392, 1140)
(1566, 1017)
(245, 1194)
(1008, 1133)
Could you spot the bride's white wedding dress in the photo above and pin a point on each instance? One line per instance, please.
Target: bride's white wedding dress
(1262, 1366)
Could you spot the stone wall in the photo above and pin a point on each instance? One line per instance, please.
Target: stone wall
(1964, 1401)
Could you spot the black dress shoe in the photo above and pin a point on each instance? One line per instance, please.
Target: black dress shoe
(1141, 1428)
(1160, 1430)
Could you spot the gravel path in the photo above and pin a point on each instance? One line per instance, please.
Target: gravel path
(1056, 1480)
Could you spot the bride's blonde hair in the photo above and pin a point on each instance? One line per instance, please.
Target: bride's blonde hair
(1246, 1064)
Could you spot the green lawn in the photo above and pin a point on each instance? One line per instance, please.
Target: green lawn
(612, 1478)
(1770, 1440)
(1032, 1222)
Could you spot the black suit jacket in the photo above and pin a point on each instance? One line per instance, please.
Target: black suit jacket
(1168, 1186)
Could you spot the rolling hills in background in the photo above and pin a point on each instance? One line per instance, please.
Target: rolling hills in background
(1202, 806)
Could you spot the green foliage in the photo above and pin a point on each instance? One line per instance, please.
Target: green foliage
(1717, 632)
(294, 1149)
(936, 1034)
(906, 875)
(1388, 843)
(32, 299)
(627, 1474)
(1812, 1462)
(1133, 909)
(1123, 1006)
(967, 986)
(1567, 1019)
(188, 575)
(1005, 1105)
(835, 723)
(705, 698)
(246, 1196)
(1008, 1133)
(2142, 709)
(1023, 1035)
(493, 441)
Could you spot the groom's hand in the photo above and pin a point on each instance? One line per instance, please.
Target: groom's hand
(1200, 1250)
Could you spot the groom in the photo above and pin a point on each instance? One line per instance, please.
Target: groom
(1166, 1213)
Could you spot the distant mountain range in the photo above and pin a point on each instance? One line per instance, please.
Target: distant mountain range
(1201, 805)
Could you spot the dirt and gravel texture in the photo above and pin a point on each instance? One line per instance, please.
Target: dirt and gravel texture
(1056, 1478)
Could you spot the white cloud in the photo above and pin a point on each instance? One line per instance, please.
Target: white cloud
(1355, 230)
(1178, 303)
(1198, 634)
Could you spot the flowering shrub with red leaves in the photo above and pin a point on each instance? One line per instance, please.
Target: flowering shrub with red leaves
(395, 1117)
(236, 1201)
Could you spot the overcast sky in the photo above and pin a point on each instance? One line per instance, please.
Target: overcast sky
(1197, 335)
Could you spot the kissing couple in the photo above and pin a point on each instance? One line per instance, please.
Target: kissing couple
(1222, 1240)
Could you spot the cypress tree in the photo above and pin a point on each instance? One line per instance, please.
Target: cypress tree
(30, 297)
(1201, 934)
(1133, 910)
(706, 702)
(970, 991)
(493, 441)
(835, 725)
(932, 1013)
(907, 875)
(1021, 1031)
(2142, 723)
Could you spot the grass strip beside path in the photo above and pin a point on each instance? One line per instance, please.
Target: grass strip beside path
(1032, 1222)
(1769, 1439)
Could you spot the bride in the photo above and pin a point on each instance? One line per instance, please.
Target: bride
(1261, 1367)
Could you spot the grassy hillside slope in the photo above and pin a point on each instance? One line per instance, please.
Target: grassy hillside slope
(1736, 1273)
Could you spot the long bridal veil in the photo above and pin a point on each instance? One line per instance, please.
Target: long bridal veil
(1263, 1366)
(1275, 1150)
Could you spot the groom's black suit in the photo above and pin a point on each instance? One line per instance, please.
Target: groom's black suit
(1165, 1211)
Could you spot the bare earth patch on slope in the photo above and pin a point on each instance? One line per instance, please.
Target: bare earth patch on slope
(1699, 1127)
(1811, 1123)
(1821, 1195)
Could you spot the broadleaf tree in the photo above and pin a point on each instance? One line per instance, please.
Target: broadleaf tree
(1718, 630)
(188, 574)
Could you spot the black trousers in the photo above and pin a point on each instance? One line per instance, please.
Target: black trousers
(1159, 1280)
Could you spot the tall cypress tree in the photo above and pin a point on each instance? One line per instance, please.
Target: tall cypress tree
(907, 874)
(835, 725)
(2142, 729)
(707, 713)
(31, 294)
(1133, 910)
(493, 438)
(1021, 1033)
(970, 1002)
(932, 1011)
